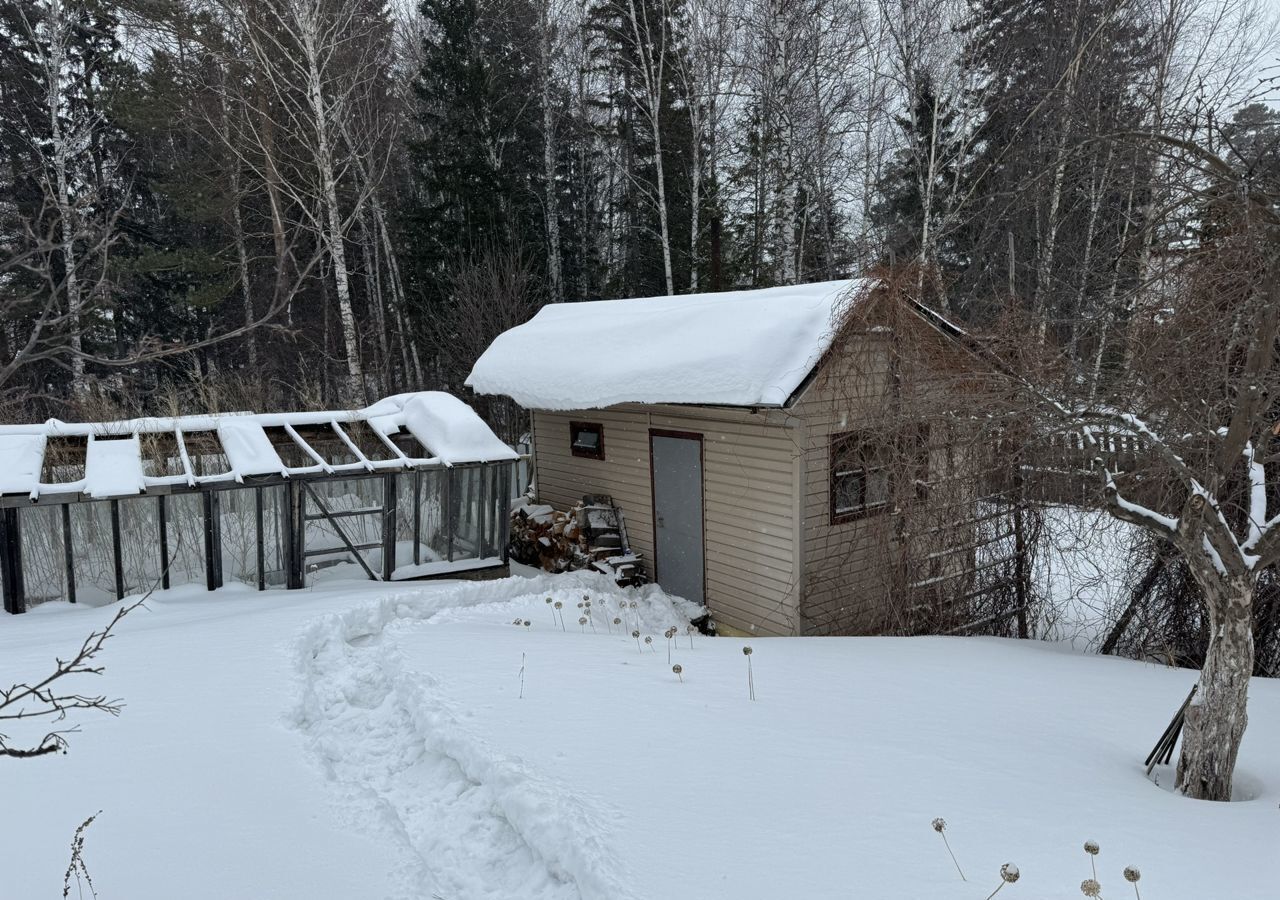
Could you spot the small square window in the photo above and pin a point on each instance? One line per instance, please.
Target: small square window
(586, 439)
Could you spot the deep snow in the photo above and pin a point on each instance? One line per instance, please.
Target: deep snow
(739, 348)
(368, 742)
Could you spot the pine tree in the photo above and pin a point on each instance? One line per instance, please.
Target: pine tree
(1045, 202)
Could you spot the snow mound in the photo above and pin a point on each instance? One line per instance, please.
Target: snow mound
(737, 348)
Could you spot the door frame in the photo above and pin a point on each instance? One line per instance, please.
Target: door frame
(702, 486)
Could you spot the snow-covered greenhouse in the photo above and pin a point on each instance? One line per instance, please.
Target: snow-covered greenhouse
(415, 485)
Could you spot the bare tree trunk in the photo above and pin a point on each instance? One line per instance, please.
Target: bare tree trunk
(373, 291)
(309, 38)
(1097, 186)
(551, 207)
(55, 62)
(237, 229)
(1211, 743)
(695, 189)
(652, 50)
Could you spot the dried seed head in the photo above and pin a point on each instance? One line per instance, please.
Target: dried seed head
(617, 621)
(1131, 873)
(689, 629)
(1009, 872)
(559, 604)
(746, 651)
(527, 623)
(633, 604)
(517, 621)
(548, 599)
(939, 825)
(582, 620)
(648, 639)
(677, 668)
(586, 598)
(635, 634)
(1090, 888)
(579, 606)
(1091, 847)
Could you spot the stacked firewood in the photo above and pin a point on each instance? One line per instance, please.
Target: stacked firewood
(547, 538)
(589, 535)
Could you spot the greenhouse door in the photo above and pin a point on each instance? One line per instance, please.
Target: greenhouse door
(346, 521)
(676, 458)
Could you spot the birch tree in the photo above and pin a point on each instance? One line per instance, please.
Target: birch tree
(317, 60)
(648, 27)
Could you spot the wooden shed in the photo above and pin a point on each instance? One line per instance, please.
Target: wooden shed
(740, 469)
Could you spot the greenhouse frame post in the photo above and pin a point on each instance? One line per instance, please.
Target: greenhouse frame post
(15, 598)
(389, 502)
(450, 520)
(294, 534)
(163, 507)
(503, 509)
(212, 541)
(417, 517)
(117, 551)
(484, 489)
(261, 548)
(68, 558)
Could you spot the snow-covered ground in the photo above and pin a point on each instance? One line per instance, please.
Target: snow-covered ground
(366, 742)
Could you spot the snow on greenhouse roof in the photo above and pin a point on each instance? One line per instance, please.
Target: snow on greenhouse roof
(125, 458)
(737, 348)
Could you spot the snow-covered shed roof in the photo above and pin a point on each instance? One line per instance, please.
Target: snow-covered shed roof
(123, 458)
(736, 348)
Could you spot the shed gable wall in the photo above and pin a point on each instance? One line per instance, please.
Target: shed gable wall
(846, 587)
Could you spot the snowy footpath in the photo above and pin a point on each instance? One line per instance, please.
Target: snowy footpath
(416, 742)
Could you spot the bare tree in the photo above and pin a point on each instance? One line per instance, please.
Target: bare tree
(53, 699)
(649, 31)
(490, 296)
(1199, 396)
(318, 62)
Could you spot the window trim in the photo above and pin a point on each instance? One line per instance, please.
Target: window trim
(576, 428)
(863, 510)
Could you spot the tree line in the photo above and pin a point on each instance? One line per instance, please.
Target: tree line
(284, 202)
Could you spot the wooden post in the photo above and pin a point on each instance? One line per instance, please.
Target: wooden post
(68, 559)
(15, 598)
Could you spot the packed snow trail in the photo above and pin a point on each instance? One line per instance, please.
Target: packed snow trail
(478, 823)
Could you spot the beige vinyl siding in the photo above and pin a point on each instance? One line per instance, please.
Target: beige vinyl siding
(751, 468)
(845, 584)
(562, 478)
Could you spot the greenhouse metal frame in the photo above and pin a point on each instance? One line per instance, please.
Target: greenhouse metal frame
(269, 501)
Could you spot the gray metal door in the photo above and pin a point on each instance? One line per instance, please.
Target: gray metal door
(677, 513)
